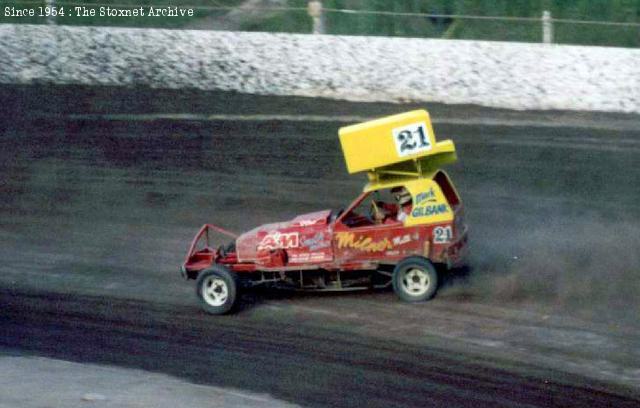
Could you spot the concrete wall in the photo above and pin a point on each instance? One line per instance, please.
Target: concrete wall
(507, 75)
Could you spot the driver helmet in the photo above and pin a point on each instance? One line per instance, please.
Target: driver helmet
(401, 195)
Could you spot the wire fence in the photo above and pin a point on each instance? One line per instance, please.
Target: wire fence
(314, 17)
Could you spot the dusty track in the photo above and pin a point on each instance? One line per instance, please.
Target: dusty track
(96, 216)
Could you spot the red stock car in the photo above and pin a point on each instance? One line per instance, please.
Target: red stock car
(408, 219)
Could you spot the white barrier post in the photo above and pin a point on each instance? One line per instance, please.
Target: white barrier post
(314, 8)
(547, 27)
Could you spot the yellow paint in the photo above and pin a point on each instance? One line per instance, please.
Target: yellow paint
(374, 144)
(429, 203)
(362, 243)
(377, 146)
(417, 183)
(433, 201)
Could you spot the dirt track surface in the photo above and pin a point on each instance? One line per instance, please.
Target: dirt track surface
(96, 216)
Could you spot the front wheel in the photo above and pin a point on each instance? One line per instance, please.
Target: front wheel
(217, 290)
(415, 280)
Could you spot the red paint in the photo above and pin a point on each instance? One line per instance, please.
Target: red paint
(321, 240)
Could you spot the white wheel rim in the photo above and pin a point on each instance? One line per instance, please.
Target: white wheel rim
(416, 282)
(215, 291)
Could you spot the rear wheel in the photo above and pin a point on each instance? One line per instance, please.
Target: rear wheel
(217, 289)
(415, 280)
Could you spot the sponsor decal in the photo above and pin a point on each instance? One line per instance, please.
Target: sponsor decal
(316, 242)
(306, 223)
(427, 205)
(362, 242)
(278, 240)
(428, 210)
(429, 196)
(401, 240)
(308, 257)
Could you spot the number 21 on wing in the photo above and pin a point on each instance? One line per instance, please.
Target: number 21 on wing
(411, 139)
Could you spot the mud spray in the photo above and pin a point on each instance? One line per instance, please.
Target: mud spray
(586, 269)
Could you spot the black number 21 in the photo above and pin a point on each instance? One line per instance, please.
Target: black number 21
(407, 141)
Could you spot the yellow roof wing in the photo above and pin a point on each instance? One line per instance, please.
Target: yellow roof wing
(392, 181)
(397, 146)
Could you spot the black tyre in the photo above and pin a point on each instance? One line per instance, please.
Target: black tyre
(217, 289)
(415, 279)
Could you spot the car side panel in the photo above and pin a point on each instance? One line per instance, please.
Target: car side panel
(377, 243)
(314, 246)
